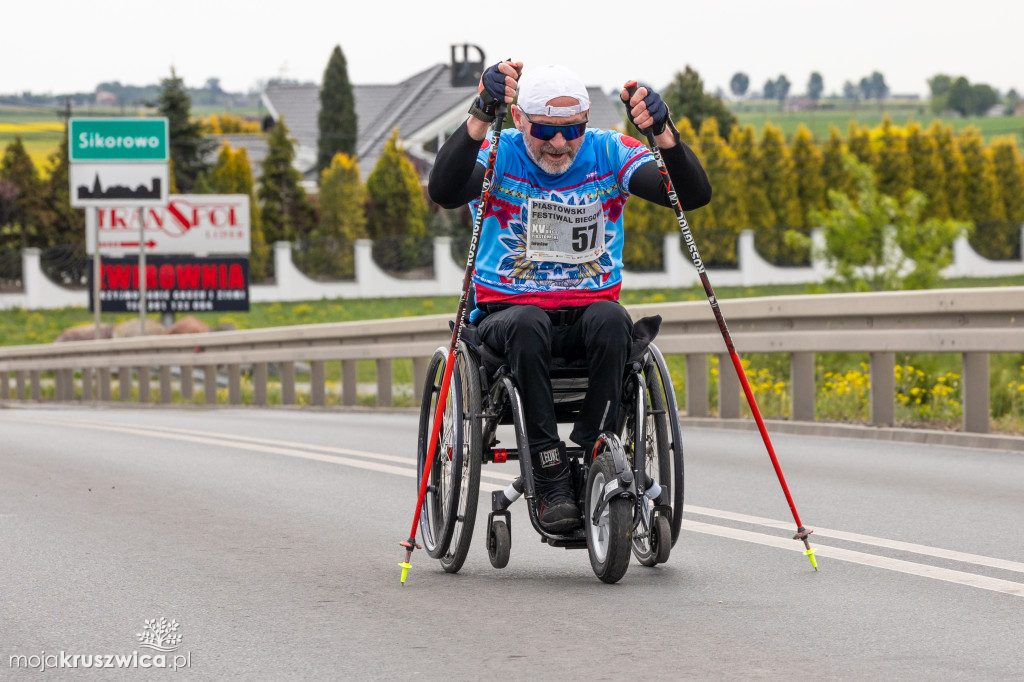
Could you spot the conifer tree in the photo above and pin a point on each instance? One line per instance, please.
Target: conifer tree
(859, 142)
(189, 148)
(232, 174)
(809, 162)
(68, 224)
(929, 171)
(984, 202)
(685, 97)
(730, 207)
(954, 168)
(1009, 171)
(342, 203)
(751, 172)
(894, 172)
(833, 167)
(23, 210)
(396, 196)
(779, 178)
(337, 120)
(287, 213)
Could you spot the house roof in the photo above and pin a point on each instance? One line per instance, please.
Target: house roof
(423, 107)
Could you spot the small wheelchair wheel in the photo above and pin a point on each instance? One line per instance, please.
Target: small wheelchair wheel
(661, 540)
(499, 544)
(608, 535)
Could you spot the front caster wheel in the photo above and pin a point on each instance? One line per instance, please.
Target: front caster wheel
(499, 543)
(609, 525)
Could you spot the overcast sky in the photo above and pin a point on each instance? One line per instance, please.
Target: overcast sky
(71, 45)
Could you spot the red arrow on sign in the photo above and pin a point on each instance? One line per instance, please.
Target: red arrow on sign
(150, 244)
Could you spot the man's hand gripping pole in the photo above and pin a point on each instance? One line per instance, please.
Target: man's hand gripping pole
(801, 532)
(453, 349)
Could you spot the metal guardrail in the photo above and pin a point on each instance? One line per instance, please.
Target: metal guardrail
(970, 322)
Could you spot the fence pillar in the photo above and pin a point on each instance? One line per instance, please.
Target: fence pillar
(697, 385)
(5, 386)
(143, 384)
(103, 384)
(384, 378)
(419, 377)
(209, 384)
(349, 379)
(87, 389)
(883, 388)
(801, 373)
(33, 380)
(728, 389)
(235, 384)
(287, 383)
(317, 394)
(166, 388)
(186, 382)
(976, 392)
(19, 385)
(259, 383)
(124, 382)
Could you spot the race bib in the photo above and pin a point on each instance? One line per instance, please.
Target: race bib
(562, 233)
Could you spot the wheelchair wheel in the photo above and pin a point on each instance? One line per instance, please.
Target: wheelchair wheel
(667, 434)
(449, 507)
(608, 536)
(468, 381)
(499, 543)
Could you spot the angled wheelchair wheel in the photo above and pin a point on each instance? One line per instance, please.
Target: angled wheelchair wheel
(658, 444)
(449, 507)
(608, 525)
(467, 380)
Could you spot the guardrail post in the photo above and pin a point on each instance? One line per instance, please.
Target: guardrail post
(209, 384)
(19, 385)
(144, 384)
(317, 394)
(259, 383)
(124, 382)
(287, 383)
(384, 378)
(33, 378)
(728, 389)
(976, 392)
(697, 385)
(69, 384)
(349, 379)
(5, 387)
(166, 388)
(235, 384)
(419, 377)
(103, 384)
(59, 391)
(801, 373)
(883, 388)
(186, 382)
(87, 374)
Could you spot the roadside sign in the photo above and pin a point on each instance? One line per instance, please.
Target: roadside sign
(187, 224)
(136, 140)
(173, 284)
(118, 184)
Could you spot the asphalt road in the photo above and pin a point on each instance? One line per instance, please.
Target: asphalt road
(271, 538)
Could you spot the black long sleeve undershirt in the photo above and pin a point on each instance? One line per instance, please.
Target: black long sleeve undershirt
(456, 178)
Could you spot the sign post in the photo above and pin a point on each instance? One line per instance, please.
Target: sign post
(119, 162)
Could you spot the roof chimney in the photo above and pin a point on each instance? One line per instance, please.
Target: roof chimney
(466, 73)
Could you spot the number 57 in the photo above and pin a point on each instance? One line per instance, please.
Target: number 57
(580, 240)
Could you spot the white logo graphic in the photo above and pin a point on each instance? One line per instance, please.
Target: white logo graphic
(159, 635)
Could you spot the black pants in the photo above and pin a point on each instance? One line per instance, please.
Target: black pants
(525, 334)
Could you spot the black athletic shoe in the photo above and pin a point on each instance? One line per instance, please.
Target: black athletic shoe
(556, 505)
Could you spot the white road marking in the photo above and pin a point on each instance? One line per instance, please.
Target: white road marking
(292, 449)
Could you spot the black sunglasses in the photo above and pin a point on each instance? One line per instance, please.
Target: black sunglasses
(546, 131)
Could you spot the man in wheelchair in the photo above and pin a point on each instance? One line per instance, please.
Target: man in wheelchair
(548, 269)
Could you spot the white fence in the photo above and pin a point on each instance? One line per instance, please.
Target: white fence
(372, 282)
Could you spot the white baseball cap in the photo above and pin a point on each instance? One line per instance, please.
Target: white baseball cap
(540, 85)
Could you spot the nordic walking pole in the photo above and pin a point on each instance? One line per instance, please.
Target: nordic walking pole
(453, 349)
(691, 245)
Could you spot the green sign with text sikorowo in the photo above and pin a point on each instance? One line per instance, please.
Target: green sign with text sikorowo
(137, 140)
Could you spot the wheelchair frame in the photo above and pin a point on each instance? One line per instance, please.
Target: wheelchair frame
(630, 485)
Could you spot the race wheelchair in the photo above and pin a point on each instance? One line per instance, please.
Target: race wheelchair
(629, 487)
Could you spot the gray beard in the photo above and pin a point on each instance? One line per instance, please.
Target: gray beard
(546, 165)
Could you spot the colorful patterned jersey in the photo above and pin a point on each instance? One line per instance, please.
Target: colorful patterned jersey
(600, 173)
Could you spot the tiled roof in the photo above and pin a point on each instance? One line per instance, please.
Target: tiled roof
(419, 104)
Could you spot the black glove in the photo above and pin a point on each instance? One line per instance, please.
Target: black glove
(656, 107)
(491, 93)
